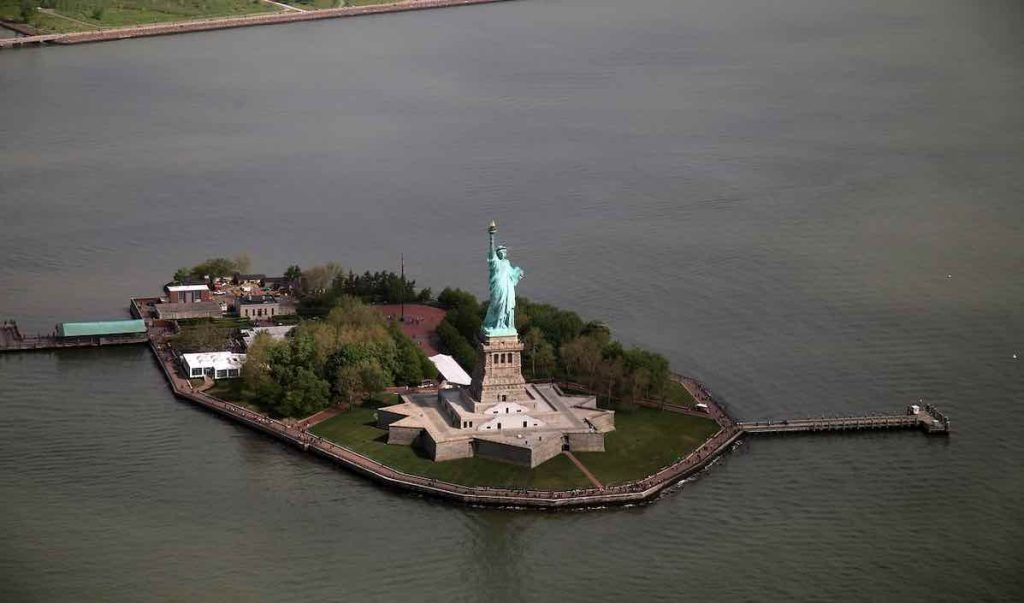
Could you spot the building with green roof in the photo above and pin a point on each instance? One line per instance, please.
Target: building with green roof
(103, 328)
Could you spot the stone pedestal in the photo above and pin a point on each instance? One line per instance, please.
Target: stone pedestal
(498, 376)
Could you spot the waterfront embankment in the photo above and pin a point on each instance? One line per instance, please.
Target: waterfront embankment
(163, 29)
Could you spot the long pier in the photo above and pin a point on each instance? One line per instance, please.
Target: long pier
(928, 419)
(163, 29)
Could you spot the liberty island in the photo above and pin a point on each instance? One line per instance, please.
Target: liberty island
(492, 438)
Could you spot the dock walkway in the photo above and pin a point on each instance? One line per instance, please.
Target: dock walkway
(927, 419)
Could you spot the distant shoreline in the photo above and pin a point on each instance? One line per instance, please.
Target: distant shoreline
(179, 27)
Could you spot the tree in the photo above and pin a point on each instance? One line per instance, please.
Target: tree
(315, 280)
(545, 360)
(181, 275)
(242, 262)
(27, 10)
(582, 356)
(533, 341)
(558, 326)
(258, 384)
(457, 298)
(609, 376)
(305, 394)
(357, 381)
(454, 344)
(293, 273)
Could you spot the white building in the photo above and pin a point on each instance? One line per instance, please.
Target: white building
(217, 365)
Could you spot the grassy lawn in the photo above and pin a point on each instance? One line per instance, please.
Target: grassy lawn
(98, 14)
(645, 440)
(227, 389)
(677, 394)
(355, 430)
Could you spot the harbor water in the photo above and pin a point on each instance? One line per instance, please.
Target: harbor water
(814, 206)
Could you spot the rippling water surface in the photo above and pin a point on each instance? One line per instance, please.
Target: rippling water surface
(815, 206)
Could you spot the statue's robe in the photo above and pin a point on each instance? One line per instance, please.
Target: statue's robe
(501, 312)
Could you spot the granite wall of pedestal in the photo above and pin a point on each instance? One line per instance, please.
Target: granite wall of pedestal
(546, 449)
(404, 436)
(586, 442)
(506, 453)
(385, 418)
(445, 451)
(540, 449)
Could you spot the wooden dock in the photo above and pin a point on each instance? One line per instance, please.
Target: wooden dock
(928, 419)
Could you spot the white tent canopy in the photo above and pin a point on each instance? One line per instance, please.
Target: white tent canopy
(450, 370)
(219, 365)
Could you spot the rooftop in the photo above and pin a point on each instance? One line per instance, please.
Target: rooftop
(105, 327)
(252, 300)
(192, 287)
(217, 360)
(450, 370)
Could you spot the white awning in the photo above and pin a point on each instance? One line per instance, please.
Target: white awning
(450, 370)
(187, 288)
(220, 361)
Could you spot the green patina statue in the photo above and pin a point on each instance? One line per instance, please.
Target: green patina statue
(501, 312)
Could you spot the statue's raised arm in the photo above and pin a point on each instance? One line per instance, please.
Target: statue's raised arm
(501, 310)
(493, 228)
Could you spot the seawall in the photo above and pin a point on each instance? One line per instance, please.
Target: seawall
(163, 29)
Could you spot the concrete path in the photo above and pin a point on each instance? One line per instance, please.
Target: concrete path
(286, 6)
(53, 13)
(593, 479)
(320, 417)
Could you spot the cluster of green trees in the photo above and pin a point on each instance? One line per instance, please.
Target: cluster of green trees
(214, 267)
(352, 353)
(558, 344)
(322, 286)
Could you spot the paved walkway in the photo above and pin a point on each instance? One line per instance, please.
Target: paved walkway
(323, 415)
(286, 6)
(593, 478)
(53, 13)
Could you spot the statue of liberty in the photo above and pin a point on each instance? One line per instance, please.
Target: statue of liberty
(501, 312)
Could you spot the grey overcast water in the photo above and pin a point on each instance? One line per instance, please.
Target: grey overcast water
(816, 206)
